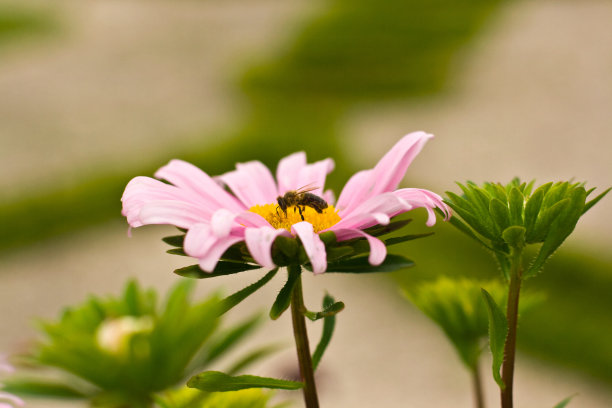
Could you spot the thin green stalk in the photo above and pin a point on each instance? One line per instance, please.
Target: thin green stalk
(512, 316)
(301, 342)
(477, 383)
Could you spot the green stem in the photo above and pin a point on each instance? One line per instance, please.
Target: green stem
(301, 342)
(512, 316)
(477, 383)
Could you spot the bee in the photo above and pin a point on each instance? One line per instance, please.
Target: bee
(301, 198)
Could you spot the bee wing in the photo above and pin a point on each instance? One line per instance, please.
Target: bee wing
(307, 188)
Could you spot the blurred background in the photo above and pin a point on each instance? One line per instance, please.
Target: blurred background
(95, 92)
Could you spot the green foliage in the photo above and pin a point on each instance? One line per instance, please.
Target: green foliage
(212, 381)
(498, 331)
(362, 265)
(457, 306)
(564, 403)
(125, 350)
(329, 323)
(283, 300)
(506, 218)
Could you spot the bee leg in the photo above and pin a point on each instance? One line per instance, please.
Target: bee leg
(300, 210)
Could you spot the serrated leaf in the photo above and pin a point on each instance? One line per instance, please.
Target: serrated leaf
(463, 227)
(545, 219)
(40, 388)
(222, 268)
(473, 220)
(216, 381)
(329, 323)
(498, 331)
(532, 209)
(362, 265)
(175, 240)
(234, 299)
(331, 310)
(283, 299)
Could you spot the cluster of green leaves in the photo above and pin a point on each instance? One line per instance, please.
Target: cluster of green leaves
(130, 351)
(342, 257)
(507, 218)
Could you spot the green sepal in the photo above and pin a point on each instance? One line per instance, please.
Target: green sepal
(379, 230)
(516, 203)
(40, 388)
(362, 265)
(176, 251)
(216, 381)
(498, 331)
(334, 253)
(328, 237)
(564, 403)
(288, 246)
(222, 268)
(329, 323)
(514, 236)
(175, 240)
(283, 299)
(405, 238)
(330, 310)
(500, 213)
(234, 299)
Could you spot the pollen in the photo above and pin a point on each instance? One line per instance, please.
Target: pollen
(277, 218)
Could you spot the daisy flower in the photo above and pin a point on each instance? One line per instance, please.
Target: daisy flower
(242, 207)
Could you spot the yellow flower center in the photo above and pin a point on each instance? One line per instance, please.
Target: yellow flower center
(277, 218)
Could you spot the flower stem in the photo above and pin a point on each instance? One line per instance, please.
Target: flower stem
(512, 316)
(477, 383)
(301, 342)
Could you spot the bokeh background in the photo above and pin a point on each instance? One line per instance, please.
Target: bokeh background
(95, 92)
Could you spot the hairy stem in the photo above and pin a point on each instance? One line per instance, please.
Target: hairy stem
(512, 316)
(301, 342)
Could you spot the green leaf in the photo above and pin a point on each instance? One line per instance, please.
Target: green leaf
(516, 203)
(594, 201)
(463, 227)
(327, 311)
(222, 268)
(566, 401)
(283, 300)
(545, 219)
(175, 240)
(532, 209)
(498, 331)
(500, 213)
(379, 230)
(362, 265)
(473, 220)
(405, 238)
(234, 299)
(329, 323)
(176, 251)
(40, 388)
(216, 381)
(514, 236)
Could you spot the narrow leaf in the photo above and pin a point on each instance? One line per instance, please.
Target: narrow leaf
(362, 265)
(405, 238)
(283, 300)
(222, 268)
(175, 240)
(331, 310)
(564, 403)
(500, 213)
(378, 230)
(232, 300)
(215, 381)
(516, 202)
(498, 331)
(41, 388)
(594, 201)
(329, 323)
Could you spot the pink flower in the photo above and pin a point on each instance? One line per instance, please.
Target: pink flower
(215, 219)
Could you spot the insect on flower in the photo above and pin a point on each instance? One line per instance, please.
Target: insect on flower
(300, 199)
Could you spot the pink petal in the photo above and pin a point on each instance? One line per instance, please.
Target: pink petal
(10, 398)
(260, 240)
(144, 190)
(375, 210)
(387, 174)
(314, 247)
(293, 173)
(252, 183)
(180, 214)
(378, 250)
(188, 177)
(429, 200)
(203, 244)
